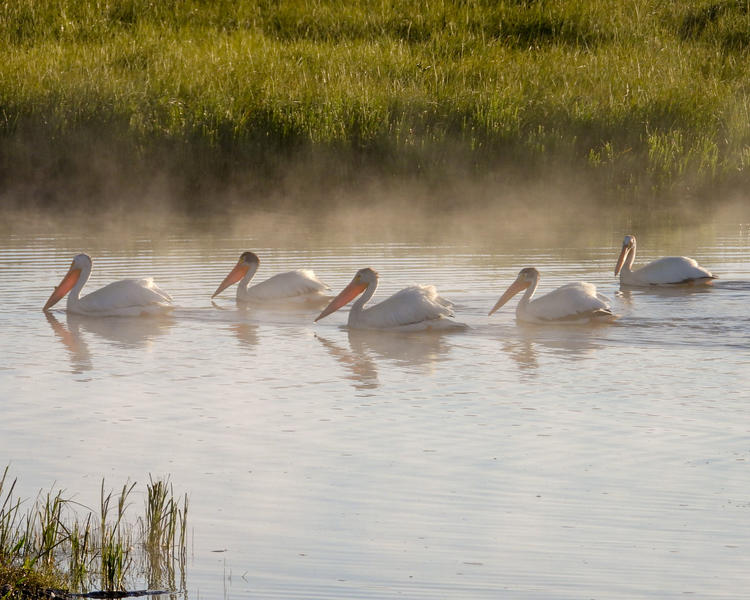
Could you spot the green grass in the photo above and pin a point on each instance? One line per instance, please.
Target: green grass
(643, 98)
(50, 546)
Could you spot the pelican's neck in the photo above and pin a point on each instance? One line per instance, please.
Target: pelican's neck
(358, 306)
(629, 259)
(245, 281)
(526, 298)
(627, 265)
(75, 293)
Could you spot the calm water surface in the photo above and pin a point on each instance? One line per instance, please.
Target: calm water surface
(504, 462)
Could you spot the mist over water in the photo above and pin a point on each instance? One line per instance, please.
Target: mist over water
(530, 462)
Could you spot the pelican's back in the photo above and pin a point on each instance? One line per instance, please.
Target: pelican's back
(302, 282)
(670, 270)
(571, 300)
(127, 297)
(410, 306)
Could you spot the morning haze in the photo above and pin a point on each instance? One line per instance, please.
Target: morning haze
(588, 438)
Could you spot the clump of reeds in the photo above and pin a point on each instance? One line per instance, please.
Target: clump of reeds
(115, 542)
(50, 546)
(164, 533)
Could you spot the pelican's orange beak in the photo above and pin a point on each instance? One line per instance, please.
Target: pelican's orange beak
(351, 291)
(239, 271)
(514, 288)
(621, 259)
(70, 279)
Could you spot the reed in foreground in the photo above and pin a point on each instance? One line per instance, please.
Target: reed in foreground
(51, 546)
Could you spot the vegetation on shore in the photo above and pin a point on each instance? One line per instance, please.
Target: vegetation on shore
(48, 547)
(640, 98)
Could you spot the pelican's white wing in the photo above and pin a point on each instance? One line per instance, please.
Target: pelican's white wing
(669, 270)
(127, 297)
(414, 308)
(301, 283)
(572, 301)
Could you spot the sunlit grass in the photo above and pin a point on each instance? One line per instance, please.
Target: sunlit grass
(649, 96)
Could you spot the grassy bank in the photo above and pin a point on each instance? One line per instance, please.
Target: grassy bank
(642, 99)
(56, 544)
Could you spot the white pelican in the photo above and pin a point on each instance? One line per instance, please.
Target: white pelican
(297, 286)
(671, 270)
(124, 298)
(571, 303)
(415, 308)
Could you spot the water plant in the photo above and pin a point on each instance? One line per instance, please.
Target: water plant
(50, 546)
(115, 542)
(164, 531)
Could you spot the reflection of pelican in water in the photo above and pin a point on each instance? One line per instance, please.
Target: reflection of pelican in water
(523, 352)
(411, 350)
(629, 295)
(300, 287)
(571, 303)
(124, 298)
(670, 270)
(531, 343)
(361, 368)
(246, 333)
(366, 348)
(80, 357)
(123, 332)
(245, 319)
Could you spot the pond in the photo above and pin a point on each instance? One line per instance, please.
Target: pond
(503, 461)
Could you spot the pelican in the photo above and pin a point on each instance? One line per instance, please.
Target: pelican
(296, 286)
(571, 303)
(415, 308)
(124, 298)
(670, 270)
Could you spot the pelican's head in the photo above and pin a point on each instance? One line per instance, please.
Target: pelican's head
(366, 275)
(81, 262)
(528, 275)
(362, 280)
(525, 278)
(628, 244)
(249, 258)
(247, 261)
